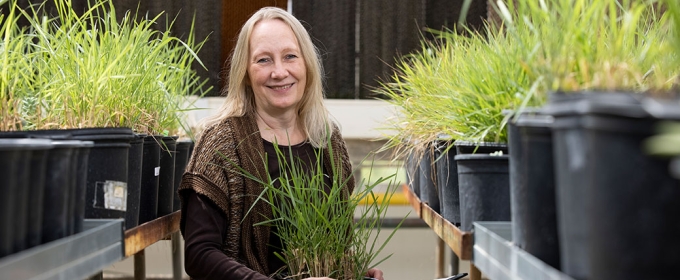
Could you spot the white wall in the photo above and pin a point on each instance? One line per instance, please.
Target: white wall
(359, 119)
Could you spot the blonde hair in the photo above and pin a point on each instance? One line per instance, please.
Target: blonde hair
(240, 100)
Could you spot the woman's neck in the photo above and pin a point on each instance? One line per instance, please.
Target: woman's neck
(281, 129)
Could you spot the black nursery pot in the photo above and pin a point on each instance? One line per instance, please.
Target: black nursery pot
(635, 219)
(107, 173)
(135, 157)
(412, 174)
(181, 160)
(428, 188)
(148, 199)
(532, 187)
(484, 188)
(59, 186)
(447, 181)
(166, 180)
(16, 168)
(572, 165)
(36, 195)
(632, 203)
(77, 202)
(466, 147)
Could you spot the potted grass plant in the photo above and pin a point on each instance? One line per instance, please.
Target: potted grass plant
(618, 57)
(325, 231)
(135, 83)
(460, 86)
(608, 85)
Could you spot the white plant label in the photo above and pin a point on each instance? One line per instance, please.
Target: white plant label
(115, 195)
(157, 171)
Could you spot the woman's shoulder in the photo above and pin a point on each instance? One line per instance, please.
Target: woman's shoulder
(218, 134)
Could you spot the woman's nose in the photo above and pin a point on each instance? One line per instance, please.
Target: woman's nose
(279, 71)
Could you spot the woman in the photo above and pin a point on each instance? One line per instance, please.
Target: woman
(275, 95)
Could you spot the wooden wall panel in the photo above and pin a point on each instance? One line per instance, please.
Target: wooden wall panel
(234, 14)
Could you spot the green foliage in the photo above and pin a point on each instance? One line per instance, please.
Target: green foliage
(317, 224)
(461, 84)
(92, 70)
(15, 70)
(595, 45)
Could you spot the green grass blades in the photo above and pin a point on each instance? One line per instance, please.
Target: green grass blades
(460, 85)
(16, 77)
(325, 231)
(93, 70)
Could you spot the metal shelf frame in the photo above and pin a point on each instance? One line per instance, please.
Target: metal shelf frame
(78, 256)
(496, 256)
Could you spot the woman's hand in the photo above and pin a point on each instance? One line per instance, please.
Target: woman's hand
(375, 273)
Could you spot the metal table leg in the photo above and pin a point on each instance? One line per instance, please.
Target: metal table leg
(176, 256)
(475, 274)
(439, 258)
(140, 265)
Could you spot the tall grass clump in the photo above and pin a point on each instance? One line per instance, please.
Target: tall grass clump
(596, 45)
(15, 70)
(460, 85)
(316, 223)
(95, 71)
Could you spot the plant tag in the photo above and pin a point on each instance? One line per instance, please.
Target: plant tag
(157, 171)
(111, 195)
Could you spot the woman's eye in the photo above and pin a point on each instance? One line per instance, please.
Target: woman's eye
(263, 60)
(291, 56)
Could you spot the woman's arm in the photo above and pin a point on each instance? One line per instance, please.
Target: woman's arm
(203, 235)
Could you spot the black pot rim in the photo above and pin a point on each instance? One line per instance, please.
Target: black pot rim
(25, 144)
(72, 144)
(614, 103)
(472, 157)
(480, 144)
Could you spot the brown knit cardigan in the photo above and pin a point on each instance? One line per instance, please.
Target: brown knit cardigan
(211, 173)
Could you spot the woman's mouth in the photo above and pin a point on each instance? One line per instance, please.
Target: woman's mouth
(284, 87)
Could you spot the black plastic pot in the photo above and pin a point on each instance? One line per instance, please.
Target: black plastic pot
(466, 147)
(107, 174)
(36, 194)
(166, 180)
(532, 187)
(428, 189)
(148, 199)
(59, 183)
(135, 157)
(181, 160)
(447, 181)
(80, 172)
(484, 188)
(634, 201)
(572, 166)
(412, 174)
(15, 171)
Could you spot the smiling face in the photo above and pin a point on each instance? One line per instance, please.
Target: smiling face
(276, 68)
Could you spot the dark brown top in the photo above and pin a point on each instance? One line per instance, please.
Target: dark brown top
(221, 241)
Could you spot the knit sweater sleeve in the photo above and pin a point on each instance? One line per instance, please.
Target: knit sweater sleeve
(206, 206)
(205, 230)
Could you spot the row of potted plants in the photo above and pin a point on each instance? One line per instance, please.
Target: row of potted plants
(111, 90)
(572, 89)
